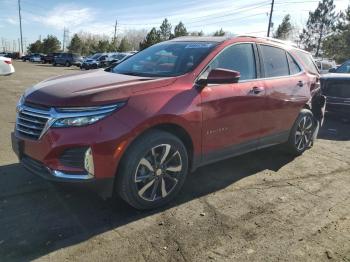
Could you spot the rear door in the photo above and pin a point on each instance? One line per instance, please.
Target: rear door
(232, 112)
(286, 92)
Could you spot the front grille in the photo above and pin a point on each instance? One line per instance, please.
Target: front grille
(73, 157)
(31, 121)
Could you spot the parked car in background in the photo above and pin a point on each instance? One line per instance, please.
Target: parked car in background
(325, 65)
(68, 59)
(336, 87)
(95, 61)
(49, 58)
(36, 58)
(25, 58)
(140, 128)
(117, 57)
(113, 64)
(6, 67)
(343, 68)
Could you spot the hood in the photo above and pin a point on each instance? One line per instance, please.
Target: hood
(340, 76)
(90, 88)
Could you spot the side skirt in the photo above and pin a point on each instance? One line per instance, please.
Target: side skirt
(240, 149)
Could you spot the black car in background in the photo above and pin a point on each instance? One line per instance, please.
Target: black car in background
(343, 69)
(68, 59)
(336, 87)
(50, 57)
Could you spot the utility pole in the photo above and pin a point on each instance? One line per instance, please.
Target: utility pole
(269, 26)
(115, 33)
(65, 38)
(20, 23)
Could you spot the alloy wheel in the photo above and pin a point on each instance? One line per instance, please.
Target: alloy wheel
(157, 173)
(303, 133)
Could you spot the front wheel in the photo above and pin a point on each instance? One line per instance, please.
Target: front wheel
(302, 133)
(153, 170)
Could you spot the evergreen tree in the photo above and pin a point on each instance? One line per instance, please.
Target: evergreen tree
(337, 45)
(35, 47)
(319, 24)
(124, 45)
(165, 30)
(219, 33)
(76, 45)
(180, 30)
(153, 37)
(284, 29)
(51, 44)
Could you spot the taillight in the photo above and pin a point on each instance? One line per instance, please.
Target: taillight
(9, 62)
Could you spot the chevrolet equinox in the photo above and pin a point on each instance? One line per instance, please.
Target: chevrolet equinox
(139, 128)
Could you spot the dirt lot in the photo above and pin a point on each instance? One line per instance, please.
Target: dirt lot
(262, 206)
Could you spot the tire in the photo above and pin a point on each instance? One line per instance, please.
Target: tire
(67, 64)
(54, 64)
(302, 132)
(152, 171)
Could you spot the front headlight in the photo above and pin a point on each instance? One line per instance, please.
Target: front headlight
(82, 116)
(19, 103)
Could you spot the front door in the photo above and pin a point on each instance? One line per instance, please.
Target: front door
(232, 112)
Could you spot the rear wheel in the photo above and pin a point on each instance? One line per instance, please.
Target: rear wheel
(67, 64)
(301, 135)
(153, 170)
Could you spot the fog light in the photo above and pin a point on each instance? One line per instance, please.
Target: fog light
(89, 162)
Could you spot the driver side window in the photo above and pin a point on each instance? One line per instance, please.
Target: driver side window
(239, 58)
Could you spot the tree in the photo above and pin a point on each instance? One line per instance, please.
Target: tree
(153, 37)
(219, 33)
(319, 24)
(51, 44)
(180, 30)
(101, 47)
(337, 45)
(124, 45)
(35, 47)
(165, 30)
(284, 29)
(76, 45)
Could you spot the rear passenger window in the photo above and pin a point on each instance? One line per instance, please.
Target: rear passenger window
(274, 61)
(239, 57)
(293, 66)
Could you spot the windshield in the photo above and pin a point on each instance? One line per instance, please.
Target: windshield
(344, 68)
(166, 59)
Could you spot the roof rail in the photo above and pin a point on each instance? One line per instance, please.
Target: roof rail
(273, 40)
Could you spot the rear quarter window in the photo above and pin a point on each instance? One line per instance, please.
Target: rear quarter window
(274, 61)
(308, 62)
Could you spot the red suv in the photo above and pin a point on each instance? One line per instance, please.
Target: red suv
(139, 128)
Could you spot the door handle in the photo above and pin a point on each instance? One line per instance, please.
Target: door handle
(300, 84)
(256, 90)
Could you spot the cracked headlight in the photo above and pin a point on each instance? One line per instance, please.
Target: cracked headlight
(82, 116)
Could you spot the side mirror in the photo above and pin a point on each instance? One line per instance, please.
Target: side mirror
(220, 76)
(332, 70)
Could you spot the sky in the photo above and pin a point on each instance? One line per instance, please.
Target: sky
(43, 17)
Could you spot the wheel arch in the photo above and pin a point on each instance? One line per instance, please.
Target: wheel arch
(172, 128)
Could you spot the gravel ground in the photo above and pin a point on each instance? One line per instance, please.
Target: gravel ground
(262, 206)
